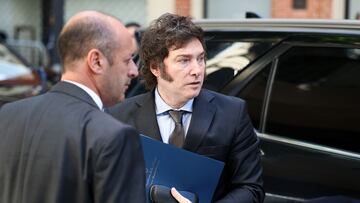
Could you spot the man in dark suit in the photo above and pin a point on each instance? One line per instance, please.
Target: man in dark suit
(211, 124)
(61, 146)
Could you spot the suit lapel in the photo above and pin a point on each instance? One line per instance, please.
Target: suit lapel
(74, 91)
(202, 116)
(146, 123)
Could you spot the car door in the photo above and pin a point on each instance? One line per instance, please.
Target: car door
(303, 98)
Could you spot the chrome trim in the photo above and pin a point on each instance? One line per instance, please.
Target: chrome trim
(286, 197)
(282, 25)
(309, 145)
(262, 153)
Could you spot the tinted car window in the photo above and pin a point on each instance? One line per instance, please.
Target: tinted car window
(315, 97)
(225, 59)
(254, 94)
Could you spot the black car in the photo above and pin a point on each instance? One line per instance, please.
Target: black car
(301, 81)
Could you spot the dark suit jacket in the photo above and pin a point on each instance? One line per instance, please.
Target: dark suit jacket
(221, 129)
(59, 147)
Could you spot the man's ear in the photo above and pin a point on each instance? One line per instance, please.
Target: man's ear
(155, 69)
(96, 61)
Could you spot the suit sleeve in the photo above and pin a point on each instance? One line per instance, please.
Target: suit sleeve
(119, 174)
(244, 163)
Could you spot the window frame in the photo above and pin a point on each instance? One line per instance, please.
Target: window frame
(283, 48)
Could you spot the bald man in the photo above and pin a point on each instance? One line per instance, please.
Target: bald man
(61, 146)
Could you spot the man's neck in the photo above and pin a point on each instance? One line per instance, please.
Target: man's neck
(171, 101)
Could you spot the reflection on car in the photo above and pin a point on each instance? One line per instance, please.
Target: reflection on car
(17, 79)
(301, 81)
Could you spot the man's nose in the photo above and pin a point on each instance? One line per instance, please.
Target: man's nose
(197, 68)
(133, 72)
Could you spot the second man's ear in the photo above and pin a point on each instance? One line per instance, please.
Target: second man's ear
(95, 60)
(154, 69)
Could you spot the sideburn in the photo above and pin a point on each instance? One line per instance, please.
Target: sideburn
(164, 74)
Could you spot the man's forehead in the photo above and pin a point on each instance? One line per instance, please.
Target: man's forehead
(189, 48)
(186, 53)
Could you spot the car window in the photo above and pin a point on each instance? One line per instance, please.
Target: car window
(225, 59)
(254, 94)
(315, 97)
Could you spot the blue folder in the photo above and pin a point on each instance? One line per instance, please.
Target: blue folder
(174, 167)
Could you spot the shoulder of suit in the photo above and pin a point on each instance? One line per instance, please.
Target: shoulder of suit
(138, 99)
(128, 102)
(103, 120)
(29, 103)
(219, 96)
(106, 131)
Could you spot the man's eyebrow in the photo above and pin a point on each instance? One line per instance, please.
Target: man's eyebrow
(183, 55)
(190, 55)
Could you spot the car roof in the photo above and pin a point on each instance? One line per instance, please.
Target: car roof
(282, 25)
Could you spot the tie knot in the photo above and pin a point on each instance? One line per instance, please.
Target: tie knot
(176, 115)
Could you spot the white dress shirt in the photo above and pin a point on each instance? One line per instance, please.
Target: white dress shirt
(90, 92)
(165, 122)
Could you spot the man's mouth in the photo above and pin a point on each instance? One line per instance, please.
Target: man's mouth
(195, 83)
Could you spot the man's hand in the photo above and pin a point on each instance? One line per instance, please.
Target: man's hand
(178, 196)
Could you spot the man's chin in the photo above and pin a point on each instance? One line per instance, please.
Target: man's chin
(194, 94)
(118, 100)
(122, 98)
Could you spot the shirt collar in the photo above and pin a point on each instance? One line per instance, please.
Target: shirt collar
(162, 106)
(92, 94)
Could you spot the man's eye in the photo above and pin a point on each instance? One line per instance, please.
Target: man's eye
(183, 61)
(201, 59)
(128, 60)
